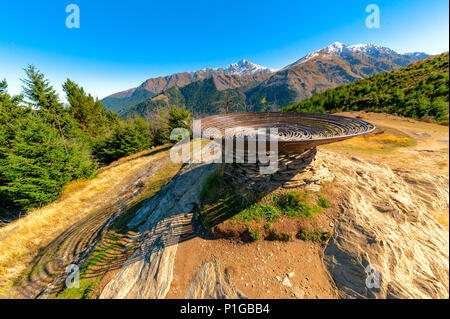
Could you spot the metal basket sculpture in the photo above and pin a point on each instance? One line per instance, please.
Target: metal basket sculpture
(296, 131)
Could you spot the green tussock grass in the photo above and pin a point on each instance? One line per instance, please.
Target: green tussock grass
(314, 236)
(323, 202)
(220, 202)
(273, 207)
(255, 234)
(281, 236)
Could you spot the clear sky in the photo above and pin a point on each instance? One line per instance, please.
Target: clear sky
(121, 43)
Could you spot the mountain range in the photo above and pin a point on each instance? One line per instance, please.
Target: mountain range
(246, 86)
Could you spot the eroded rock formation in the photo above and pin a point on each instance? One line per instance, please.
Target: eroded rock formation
(212, 282)
(386, 219)
(161, 223)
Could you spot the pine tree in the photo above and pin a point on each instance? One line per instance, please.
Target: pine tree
(42, 97)
(41, 148)
(90, 114)
(128, 138)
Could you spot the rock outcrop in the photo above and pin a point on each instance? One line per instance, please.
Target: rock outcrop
(212, 282)
(386, 220)
(294, 170)
(161, 223)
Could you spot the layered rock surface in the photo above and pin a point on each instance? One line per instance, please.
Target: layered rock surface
(161, 223)
(386, 220)
(212, 282)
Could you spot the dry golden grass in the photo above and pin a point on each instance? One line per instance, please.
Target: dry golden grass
(21, 240)
(379, 142)
(428, 150)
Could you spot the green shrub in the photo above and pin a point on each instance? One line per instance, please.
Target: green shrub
(281, 236)
(289, 204)
(254, 234)
(314, 236)
(257, 211)
(296, 205)
(323, 202)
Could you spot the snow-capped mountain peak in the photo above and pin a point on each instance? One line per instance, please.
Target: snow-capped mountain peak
(342, 50)
(244, 67)
(370, 49)
(361, 47)
(338, 48)
(334, 48)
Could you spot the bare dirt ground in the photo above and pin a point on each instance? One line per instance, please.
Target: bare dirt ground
(257, 269)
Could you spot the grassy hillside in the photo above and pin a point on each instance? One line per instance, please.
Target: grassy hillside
(419, 91)
(26, 243)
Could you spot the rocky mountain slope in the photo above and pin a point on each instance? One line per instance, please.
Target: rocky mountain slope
(235, 75)
(332, 66)
(419, 90)
(260, 87)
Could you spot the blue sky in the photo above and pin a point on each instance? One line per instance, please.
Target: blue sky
(121, 43)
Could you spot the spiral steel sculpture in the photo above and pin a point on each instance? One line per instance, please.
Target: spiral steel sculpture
(296, 131)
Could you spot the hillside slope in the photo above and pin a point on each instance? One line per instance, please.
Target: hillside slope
(416, 91)
(123, 100)
(200, 98)
(35, 249)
